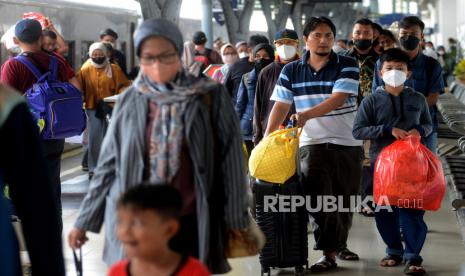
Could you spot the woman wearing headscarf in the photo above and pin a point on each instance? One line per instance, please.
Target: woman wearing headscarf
(171, 127)
(188, 60)
(99, 79)
(229, 56)
(263, 55)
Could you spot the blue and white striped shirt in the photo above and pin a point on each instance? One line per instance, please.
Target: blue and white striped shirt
(301, 84)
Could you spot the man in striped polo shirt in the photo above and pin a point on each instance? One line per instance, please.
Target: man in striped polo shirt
(324, 87)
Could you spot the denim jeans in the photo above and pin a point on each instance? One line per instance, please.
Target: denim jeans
(414, 230)
(431, 142)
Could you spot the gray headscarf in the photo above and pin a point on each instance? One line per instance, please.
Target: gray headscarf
(158, 27)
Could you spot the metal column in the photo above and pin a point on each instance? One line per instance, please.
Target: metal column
(207, 26)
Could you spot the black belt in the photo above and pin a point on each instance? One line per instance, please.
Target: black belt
(331, 146)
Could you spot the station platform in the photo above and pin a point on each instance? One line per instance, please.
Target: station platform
(443, 253)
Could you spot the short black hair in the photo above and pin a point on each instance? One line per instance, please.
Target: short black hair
(109, 32)
(254, 40)
(411, 21)
(394, 54)
(313, 23)
(377, 27)
(50, 34)
(161, 198)
(365, 22)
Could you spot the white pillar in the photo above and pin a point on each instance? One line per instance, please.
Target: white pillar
(207, 26)
(447, 20)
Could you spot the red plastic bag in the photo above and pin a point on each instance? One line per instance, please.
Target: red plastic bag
(409, 175)
(37, 16)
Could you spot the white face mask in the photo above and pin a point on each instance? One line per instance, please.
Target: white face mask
(243, 54)
(394, 78)
(229, 59)
(286, 52)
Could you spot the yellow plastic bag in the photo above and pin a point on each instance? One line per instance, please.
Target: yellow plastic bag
(274, 158)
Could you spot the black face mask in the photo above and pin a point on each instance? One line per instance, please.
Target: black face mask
(409, 43)
(99, 60)
(261, 63)
(363, 44)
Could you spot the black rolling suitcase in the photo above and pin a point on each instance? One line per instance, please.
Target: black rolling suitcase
(285, 232)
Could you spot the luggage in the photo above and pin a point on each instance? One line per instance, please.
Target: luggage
(56, 106)
(409, 175)
(286, 232)
(273, 159)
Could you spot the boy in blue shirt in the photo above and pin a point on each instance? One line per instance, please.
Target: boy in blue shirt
(394, 112)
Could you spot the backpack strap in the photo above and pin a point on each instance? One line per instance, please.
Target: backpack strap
(37, 74)
(26, 62)
(53, 68)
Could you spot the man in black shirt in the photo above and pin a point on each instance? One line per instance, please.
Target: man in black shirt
(109, 36)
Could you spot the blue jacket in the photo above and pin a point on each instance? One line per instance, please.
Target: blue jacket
(380, 112)
(245, 103)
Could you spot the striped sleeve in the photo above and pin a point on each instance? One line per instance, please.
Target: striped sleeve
(232, 165)
(348, 78)
(283, 89)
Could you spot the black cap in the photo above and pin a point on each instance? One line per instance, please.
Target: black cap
(109, 32)
(199, 38)
(286, 34)
(28, 30)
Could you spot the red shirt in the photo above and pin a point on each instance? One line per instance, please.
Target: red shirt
(191, 267)
(17, 75)
(69, 69)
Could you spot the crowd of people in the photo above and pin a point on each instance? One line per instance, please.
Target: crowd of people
(167, 173)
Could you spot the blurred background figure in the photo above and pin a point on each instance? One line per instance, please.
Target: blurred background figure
(229, 56)
(188, 60)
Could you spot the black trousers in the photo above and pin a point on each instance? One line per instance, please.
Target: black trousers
(331, 170)
(52, 150)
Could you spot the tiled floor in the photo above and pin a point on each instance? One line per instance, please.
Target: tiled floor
(444, 251)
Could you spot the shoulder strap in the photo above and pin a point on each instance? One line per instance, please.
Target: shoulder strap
(24, 60)
(53, 68)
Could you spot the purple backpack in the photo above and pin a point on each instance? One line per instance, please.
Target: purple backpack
(56, 106)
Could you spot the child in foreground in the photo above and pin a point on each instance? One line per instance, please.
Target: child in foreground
(394, 112)
(148, 217)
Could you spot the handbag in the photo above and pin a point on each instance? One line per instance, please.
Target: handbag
(244, 243)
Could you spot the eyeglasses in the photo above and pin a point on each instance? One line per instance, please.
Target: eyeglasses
(166, 58)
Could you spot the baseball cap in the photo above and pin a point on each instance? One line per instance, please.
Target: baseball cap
(199, 38)
(28, 30)
(286, 34)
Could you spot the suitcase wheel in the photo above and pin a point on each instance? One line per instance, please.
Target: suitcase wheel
(266, 270)
(299, 271)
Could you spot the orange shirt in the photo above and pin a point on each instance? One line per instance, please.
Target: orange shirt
(191, 267)
(96, 85)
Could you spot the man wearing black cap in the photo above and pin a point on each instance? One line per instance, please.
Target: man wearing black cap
(109, 36)
(28, 33)
(286, 43)
(203, 54)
